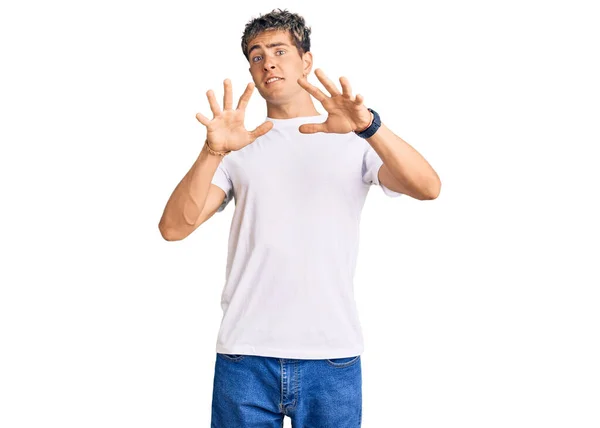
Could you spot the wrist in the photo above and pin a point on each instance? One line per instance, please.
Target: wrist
(372, 128)
(365, 127)
(206, 152)
(215, 151)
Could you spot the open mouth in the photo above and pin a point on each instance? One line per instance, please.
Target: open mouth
(271, 81)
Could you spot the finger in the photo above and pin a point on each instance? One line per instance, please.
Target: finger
(311, 128)
(359, 99)
(214, 106)
(227, 96)
(202, 119)
(246, 96)
(329, 85)
(261, 130)
(346, 88)
(313, 90)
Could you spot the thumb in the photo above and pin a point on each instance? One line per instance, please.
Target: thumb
(312, 128)
(261, 130)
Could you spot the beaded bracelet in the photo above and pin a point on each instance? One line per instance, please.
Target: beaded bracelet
(214, 152)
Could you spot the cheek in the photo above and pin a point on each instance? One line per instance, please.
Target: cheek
(254, 76)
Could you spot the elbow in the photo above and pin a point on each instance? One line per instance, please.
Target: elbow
(433, 191)
(169, 234)
(170, 238)
(165, 233)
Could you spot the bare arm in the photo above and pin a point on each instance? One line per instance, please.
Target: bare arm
(184, 209)
(404, 169)
(195, 199)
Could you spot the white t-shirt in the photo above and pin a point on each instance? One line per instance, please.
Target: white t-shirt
(293, 242)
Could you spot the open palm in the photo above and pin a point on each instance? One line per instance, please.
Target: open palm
(226, 131)
(346, 112)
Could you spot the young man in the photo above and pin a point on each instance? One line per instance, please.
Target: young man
(290, 340)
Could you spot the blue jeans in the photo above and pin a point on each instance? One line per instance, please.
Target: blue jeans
(252, 391)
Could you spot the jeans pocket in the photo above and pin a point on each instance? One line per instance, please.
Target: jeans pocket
(343, 362)
(232, 357)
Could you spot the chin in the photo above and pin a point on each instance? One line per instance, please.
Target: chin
(277, 99)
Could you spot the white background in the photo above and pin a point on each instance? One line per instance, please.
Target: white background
(479, 308)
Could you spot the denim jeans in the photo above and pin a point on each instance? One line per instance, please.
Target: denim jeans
(252, 391)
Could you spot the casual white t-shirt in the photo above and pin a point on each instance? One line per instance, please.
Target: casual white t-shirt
(293, 242)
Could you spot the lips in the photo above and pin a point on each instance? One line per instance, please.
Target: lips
(267, 80)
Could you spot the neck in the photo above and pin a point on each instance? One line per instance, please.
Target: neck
(294, 108)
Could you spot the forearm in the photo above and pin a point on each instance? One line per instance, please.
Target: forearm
(187, 200)
(405, 163)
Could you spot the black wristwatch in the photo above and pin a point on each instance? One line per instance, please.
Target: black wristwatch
(367, 133)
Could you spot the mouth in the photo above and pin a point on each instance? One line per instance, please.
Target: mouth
(273, 80)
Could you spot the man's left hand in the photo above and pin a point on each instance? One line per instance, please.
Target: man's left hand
(346, 112)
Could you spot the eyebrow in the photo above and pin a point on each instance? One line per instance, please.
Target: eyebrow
(270, 45)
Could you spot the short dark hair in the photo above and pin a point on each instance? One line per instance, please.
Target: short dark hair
(281, 20)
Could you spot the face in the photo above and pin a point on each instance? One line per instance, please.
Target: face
(273, 54)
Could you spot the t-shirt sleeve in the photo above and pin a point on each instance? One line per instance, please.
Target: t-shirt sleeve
(222, 179)
(370, 170)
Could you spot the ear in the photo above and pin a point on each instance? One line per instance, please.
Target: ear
(307, 59)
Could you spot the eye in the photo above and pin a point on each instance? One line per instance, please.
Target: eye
(254, 59)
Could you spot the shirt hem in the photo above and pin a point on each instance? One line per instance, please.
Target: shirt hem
(294, 354)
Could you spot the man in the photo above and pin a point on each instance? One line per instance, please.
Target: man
(290, 340)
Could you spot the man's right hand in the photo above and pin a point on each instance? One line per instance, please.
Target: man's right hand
(226, 130)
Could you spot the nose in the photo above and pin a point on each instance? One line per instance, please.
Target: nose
(269, 63)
